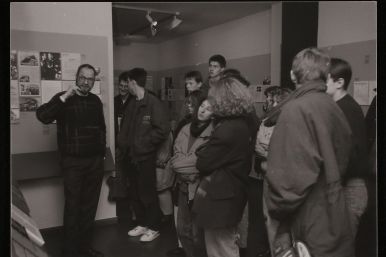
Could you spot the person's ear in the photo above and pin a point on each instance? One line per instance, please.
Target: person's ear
(339, 83)
(199, 84)
(293, 78)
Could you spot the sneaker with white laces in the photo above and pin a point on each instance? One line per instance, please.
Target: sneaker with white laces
(150, 235)
(137, 231)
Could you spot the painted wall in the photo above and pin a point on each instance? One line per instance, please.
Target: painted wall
(245, 37)
(348, 30)
(45, 197)
(62, 17)
(276, 27)
(136, 55)
(346, 22)
(245, 43)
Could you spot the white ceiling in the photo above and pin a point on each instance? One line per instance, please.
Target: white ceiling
(196, 16)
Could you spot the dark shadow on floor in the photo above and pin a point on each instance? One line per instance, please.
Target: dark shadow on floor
(113, 241)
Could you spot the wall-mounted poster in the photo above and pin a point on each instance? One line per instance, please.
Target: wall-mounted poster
(70, 63)
(361, 92)
(29, 104)
(15, 115)
(29, 72)
(149, 83)
(50, 66)
(257, 92)
(14, 92)
(49, 89)
(67, 84)
(96, 88)
(29, 89)
(28, 58)
(13, 59)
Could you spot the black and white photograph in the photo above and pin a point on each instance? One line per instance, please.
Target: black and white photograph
(50, 66)
(29, 104)
(14, 115)
(29, 89)
(13, 62)
(14, 94)
(28, 58)
(194, 129)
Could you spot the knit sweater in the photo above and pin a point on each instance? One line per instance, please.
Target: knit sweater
(81, 129)
(358, 163)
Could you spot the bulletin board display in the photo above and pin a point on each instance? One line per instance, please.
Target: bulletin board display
(37, 76)
(41, 65)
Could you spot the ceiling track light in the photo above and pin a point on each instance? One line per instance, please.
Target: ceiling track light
(175, 22)
(153, 23)
(150, 19)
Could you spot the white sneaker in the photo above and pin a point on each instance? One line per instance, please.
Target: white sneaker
(137, 231)
(150, 235)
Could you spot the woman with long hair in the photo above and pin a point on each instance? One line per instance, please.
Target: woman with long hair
(224, 163)
(190, 137)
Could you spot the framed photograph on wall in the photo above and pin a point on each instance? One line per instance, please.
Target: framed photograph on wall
(29, 104)
(29, 89)
(13, 63)
(50, 66)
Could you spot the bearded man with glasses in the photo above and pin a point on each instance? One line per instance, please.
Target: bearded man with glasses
(81, 134)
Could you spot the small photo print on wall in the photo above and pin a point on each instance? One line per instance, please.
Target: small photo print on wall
(13, 60)
(67, 84)
(29, 104)
(29, 89)
(14, 93)
(15, 115)
(50, 66)
(28, 58)
(70, 63)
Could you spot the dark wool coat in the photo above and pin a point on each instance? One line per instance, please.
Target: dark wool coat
(226, 160)
(308, 155)
(144, 127)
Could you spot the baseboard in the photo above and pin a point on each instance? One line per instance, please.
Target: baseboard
(101, 222)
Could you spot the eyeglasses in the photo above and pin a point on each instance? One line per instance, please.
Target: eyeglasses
(83, 79)
(124, 85)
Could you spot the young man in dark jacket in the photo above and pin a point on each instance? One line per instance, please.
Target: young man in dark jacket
(145, 126)
(217, 64)
(358, 167)
(308, 155)
(82, 144)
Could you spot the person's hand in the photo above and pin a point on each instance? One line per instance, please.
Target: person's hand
(70, 92)
(263, 166)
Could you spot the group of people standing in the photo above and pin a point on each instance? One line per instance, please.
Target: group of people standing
(244, 185)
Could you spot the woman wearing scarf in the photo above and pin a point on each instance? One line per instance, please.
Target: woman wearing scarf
(190, 137)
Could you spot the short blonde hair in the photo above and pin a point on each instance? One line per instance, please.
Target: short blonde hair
(310, 64)
(230, 98)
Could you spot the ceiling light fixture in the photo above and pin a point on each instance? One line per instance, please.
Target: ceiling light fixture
(153, 23)
(175, 22)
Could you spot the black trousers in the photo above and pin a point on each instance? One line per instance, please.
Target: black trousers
(124, 205)
(82, 178)
(143, 193)
(257, 240)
